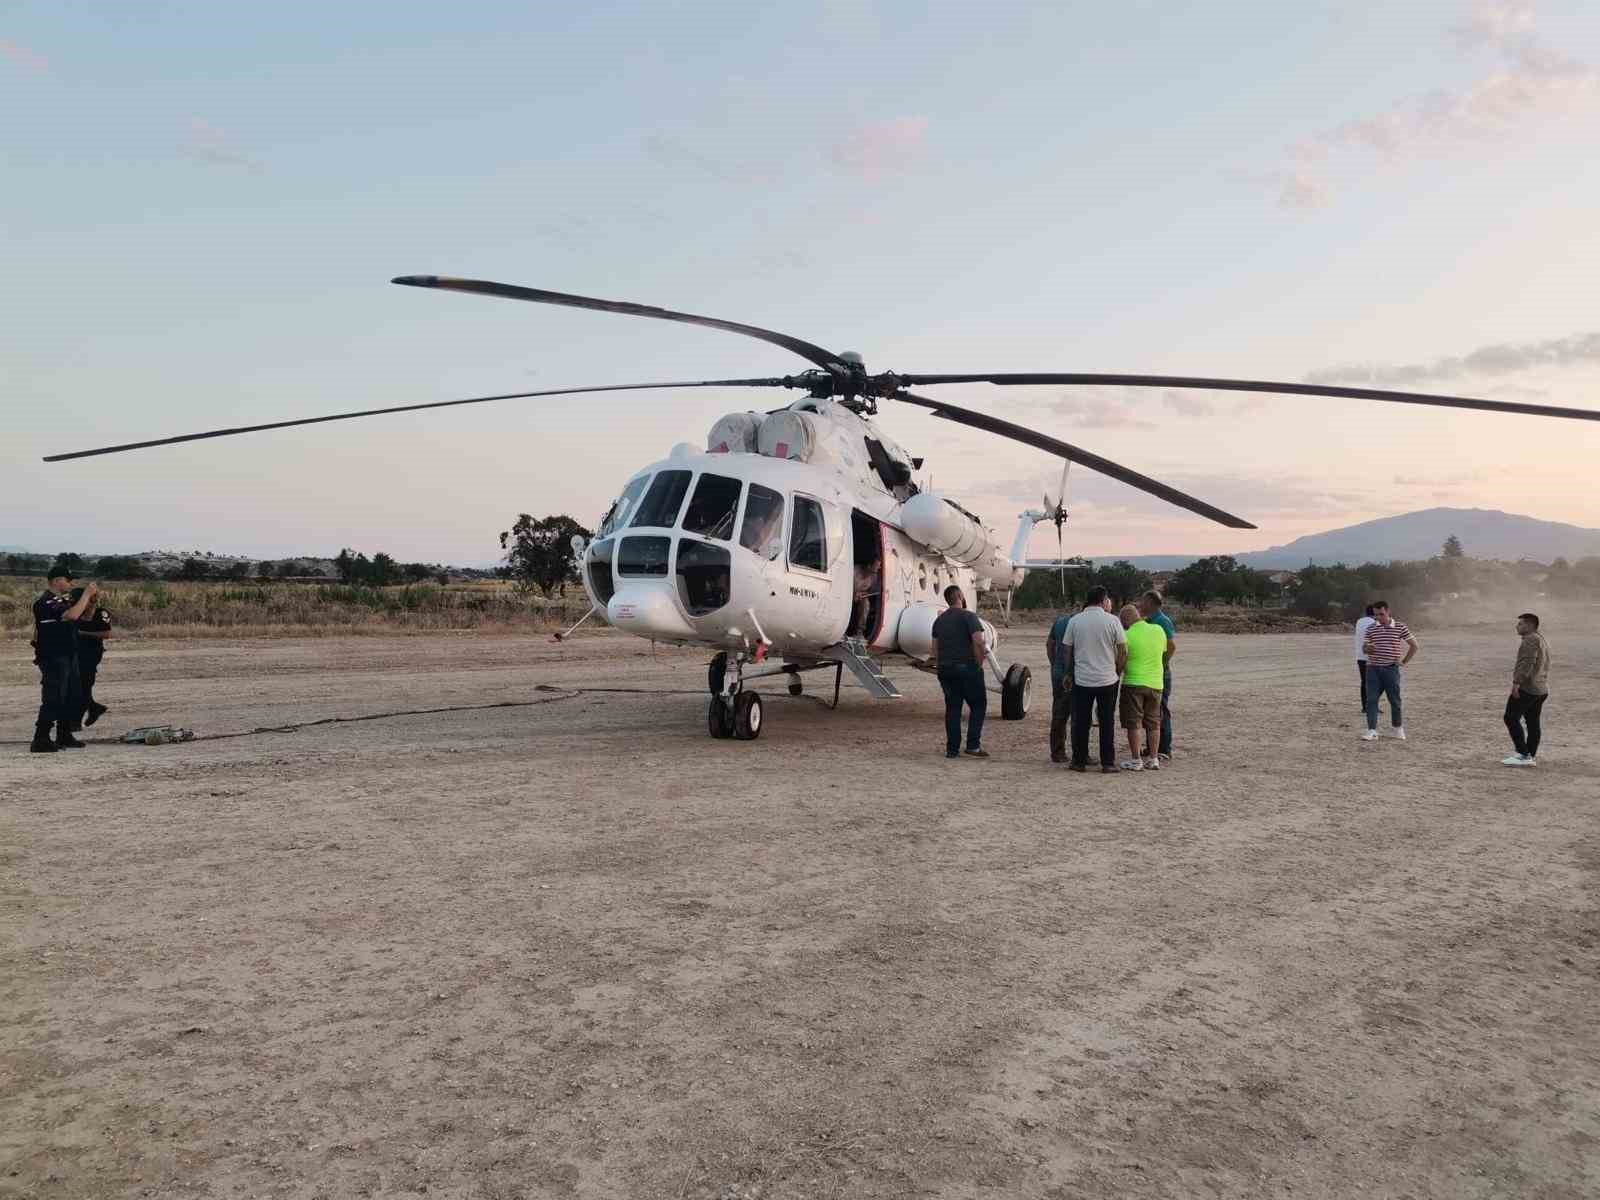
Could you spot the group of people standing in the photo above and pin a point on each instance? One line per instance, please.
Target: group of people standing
(70, 629)
(1108, 668)
(1104, 666)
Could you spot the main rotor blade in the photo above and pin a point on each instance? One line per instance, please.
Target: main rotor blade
(1043, 441)
(376, 412)
(806, 350)
(1262, 385)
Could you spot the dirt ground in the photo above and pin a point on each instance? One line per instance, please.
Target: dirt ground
(577, 948)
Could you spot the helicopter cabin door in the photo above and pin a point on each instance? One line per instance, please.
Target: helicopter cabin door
(819, 573)
(869, 580)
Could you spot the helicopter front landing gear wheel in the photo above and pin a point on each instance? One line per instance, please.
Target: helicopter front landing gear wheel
(747, 716)
(794, 685)
(719, 718)
(1016, 693)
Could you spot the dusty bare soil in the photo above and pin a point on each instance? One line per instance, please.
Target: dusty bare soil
(577, 948)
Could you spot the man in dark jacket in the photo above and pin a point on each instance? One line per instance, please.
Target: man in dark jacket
(55, 617)
(1530, 688)
(94, 629)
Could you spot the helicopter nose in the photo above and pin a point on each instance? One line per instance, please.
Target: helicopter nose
(648, 610)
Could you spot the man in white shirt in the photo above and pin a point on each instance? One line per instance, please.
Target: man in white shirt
(1364, 624)
(1096, 648)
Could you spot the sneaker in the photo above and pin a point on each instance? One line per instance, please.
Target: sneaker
(1165, 757)
(1079, 767)
(1108, 770)
(1395, 732)
(1518, 760)
(96, 711)
(1370, 735)
(978, 753)
(65, 740)
(952, 754)
(1152, 764)
(1132, 764)
(42, 744)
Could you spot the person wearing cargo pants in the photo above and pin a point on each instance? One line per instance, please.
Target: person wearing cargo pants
(1150, 609)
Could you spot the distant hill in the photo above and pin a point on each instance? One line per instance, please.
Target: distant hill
(1484, 533)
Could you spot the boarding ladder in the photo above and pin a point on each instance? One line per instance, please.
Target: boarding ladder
(853, 653)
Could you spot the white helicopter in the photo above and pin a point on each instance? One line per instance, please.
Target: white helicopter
(799, 539)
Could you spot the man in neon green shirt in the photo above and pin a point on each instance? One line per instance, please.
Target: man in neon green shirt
(1141, 688)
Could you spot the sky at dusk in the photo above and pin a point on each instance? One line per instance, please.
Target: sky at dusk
(201, 206)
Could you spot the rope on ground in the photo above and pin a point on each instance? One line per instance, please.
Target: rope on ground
(558, 693)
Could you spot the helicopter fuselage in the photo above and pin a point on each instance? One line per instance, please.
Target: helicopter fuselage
(768, 552)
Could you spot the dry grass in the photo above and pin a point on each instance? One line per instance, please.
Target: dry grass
(237, 609)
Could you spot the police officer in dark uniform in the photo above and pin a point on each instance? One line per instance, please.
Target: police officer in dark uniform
(94, 627)
(55, 617)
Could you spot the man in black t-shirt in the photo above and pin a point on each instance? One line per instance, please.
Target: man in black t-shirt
(958, 653)
(55, 617)
(94, 627)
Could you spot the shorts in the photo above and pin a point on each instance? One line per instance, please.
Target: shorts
(1140, 706)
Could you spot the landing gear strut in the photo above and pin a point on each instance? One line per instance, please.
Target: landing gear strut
(734, 712)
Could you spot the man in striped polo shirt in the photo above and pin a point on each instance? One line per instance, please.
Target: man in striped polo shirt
(1389, 646)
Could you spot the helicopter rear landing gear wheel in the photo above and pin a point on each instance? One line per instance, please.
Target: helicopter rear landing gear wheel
(719, 718)
(1016, 693)
(747, 716)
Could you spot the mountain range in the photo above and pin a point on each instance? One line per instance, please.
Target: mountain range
(1484, 533)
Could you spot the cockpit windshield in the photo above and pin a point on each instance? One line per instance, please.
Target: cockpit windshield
(713, 506)
(620, 511)
(661, 503)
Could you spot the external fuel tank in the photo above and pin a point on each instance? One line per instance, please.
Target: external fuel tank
(958, 535)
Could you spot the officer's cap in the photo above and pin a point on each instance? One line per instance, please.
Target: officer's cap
(60, 571)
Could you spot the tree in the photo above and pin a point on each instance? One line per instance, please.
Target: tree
(1452, 547)
(345, 564)
(1202, 580)
(382, 571)
(539, 553)
(193, 569)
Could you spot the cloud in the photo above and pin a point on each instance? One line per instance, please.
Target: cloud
(1442, 483)
(879, 147)
(27, 59)
(1091, 412)
(1097, 407)
(1499, 359)
(208, 144)
(1530, 80)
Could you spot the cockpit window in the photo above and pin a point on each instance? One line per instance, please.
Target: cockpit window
(662, 502)
(712, 508)
(808, 539)
(618, 516)
(644, 555)
(763, 519)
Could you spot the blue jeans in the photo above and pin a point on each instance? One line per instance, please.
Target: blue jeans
(1383, 681)
(963, 684)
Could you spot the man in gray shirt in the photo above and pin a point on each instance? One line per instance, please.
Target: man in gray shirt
(1098, 650)
(959, 649)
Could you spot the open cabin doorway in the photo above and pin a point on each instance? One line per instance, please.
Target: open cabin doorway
(868, 577)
